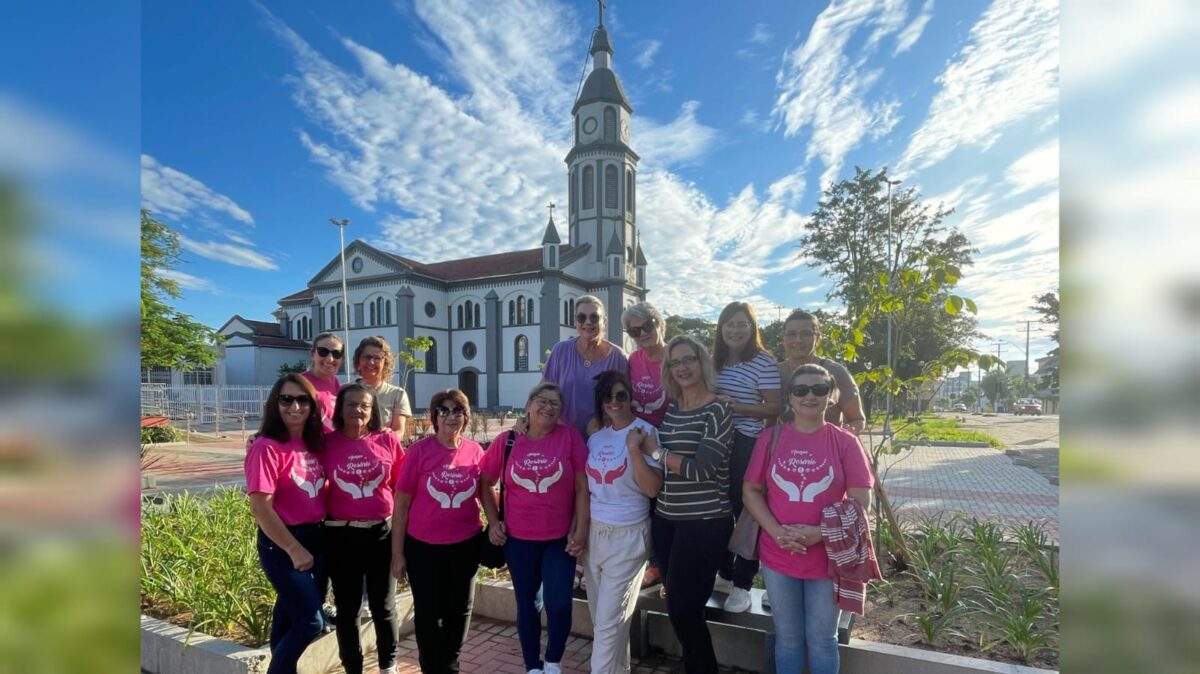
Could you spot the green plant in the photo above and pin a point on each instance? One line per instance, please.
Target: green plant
(156, 434)
(932, 625)
(1018, 623)
(938, 581)
(1035, 543)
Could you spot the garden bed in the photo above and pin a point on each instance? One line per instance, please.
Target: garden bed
(938, 429)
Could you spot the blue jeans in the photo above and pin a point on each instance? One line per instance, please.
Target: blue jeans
(806, 621)
(544, 564)
(296, 619)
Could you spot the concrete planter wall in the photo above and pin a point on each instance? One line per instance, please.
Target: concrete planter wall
(166, 649)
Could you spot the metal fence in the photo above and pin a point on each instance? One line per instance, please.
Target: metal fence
(203, 405)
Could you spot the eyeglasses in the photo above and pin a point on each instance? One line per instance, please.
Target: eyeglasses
(303, 400)
(738, 325)
(636, 331)
(685, 361)
(619, 396)
(587, 318)
(325, 353)
(373, 359)
(819, 390)
(803, 334)
(351, 405)
(547, 402)
(447, 412)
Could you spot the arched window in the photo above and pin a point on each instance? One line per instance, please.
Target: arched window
(610, 125)
(520, 309)
(389, 313)
(552, 262)
(332, 316)
(574, 205)
(628, 191)
(610, 186)
(512, 313)
(529, 310)
(578, 121)
(372, 314)
(566, 314)
(589, 187)
(571, 312)
(477, 322)
(431, 356)
(460, 317)
(521, 348)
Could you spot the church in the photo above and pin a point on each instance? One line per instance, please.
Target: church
(493, 318)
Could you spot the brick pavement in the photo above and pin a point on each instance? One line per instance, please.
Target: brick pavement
(978, 481)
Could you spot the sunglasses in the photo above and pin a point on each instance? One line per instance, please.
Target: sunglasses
(819, 390)
(587, 318)
(546, 402)
(636, 331)
(686, 360)
(447, 412)
(304, 400)
(325, 353)
(619, 396)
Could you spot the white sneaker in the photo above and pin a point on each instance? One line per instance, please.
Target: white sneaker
(738, 601)
(535, 671)
(552, 668)
(722, 585)
(766, 601)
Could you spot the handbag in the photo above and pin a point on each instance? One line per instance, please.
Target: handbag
(490, 554)
(744, 540)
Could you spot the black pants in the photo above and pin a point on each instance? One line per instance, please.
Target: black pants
(689, 554)
(354, 555)
(740, 571)
(442, 578)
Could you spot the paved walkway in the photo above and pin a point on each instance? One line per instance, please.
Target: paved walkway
(982, 482)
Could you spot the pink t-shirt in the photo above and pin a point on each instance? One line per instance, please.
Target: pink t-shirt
(539, 484)
(808, 472)
(362, 474)
(649, 397)
(444, 485)
(327, 390)
(291, 474)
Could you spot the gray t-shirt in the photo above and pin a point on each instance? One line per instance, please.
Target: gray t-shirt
(847, 388)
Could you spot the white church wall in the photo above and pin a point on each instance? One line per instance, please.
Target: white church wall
(515, 387)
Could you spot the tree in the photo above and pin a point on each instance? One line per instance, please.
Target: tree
(295, 368)
(847, 237)
(995, 386)
(702, 329)
(970, 396)
(169, 338)
(408, 360)
(1046, 304)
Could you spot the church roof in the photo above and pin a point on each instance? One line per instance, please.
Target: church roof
(551, 235)
(306, 294)
(600, 41)
(641, 258)
(614, 245)
(602, 85)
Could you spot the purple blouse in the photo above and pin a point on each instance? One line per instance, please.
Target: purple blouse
(565, 367)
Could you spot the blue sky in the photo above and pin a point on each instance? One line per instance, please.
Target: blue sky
(439, 128)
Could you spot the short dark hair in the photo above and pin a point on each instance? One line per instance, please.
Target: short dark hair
(376, 421)
(442, 396)
(605, 381)
(813, 368)
(802, 315)
(272, 425)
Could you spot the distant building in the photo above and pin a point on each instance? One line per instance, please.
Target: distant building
(492, 318)
(1015, 368)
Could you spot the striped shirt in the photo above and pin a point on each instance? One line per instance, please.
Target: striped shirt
(702, 438)
(744, 382)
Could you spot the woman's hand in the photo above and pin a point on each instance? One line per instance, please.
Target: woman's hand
(593, 425)
(805, 534)
(302, 559)
(634, 439)
(497, 533)
(521, 427)
(725, 399)
(577, 542)
(399, 567)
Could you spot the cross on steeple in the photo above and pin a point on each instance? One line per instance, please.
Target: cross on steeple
(601, 3)
(551, 206)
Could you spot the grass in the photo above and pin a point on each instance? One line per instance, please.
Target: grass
(937, 429)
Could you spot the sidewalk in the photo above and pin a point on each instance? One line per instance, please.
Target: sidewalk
(979, 481)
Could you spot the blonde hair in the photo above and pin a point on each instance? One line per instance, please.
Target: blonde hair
(707, 374)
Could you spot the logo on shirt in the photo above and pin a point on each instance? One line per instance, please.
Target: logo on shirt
(534, 476)
(359, 476)
(311, 478)
(804, 468)
(455, 488)
(603, 467)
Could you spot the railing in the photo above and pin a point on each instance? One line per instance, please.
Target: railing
(202, 405)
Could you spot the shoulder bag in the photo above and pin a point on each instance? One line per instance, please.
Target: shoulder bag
(491, 555)
(744, 541)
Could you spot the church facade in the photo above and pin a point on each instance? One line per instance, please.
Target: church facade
(493, 318)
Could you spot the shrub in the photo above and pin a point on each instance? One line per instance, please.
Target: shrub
(155, 434)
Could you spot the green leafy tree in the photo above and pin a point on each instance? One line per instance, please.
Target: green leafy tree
(971, 396)
(409, 359)
(294, 368)
(995, 386)
(702, 329)
(1046, 304)
(169, 338)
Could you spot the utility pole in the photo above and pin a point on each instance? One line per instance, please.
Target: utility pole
(887, 419)
(1027, 351)
(341, 225)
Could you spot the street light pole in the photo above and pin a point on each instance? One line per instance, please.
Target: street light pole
(887, 419)
(341, 225)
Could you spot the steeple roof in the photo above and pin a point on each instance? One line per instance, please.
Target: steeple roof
(551, 235)
(614, 245)
(641, 259)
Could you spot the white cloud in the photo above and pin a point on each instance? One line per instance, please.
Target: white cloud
(912, 32)
(762, 34)
(645, 57)
(807, 289)
(1123, 36)
(228, 253)
(821, 87)
(1170, 116)
(187, 281)
(171, 192)
(1037, 168)
(1007, 71)
(680, 141)
(35, 143)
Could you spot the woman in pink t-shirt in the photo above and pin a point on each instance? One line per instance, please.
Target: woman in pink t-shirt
(325, 358)
(546, 517)
(814, 464)
(286, 482)
(435, 531)
(362, 461)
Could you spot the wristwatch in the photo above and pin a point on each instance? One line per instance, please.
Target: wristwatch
(658, 453)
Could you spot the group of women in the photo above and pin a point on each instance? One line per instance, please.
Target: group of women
(618, 461)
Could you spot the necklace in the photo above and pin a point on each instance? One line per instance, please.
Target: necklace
(587, 362)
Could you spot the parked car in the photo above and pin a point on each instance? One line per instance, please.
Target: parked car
(959, 407)
(1027, 406)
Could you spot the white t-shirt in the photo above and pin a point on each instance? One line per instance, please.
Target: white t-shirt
(616, 499)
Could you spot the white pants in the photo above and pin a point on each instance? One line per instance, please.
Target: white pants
(613, 566)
